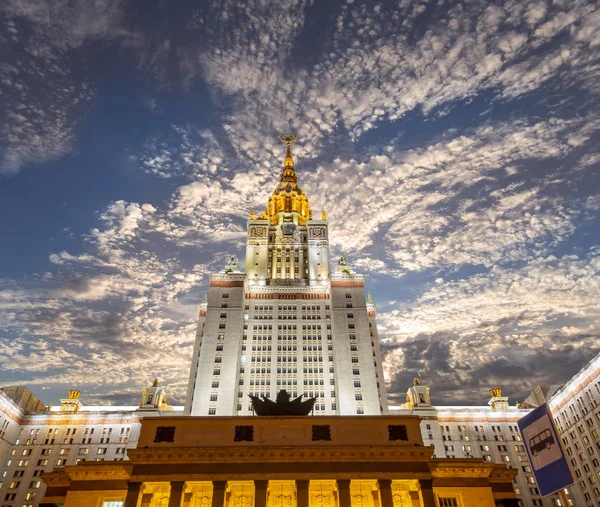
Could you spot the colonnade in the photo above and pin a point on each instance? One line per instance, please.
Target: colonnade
(286, 493)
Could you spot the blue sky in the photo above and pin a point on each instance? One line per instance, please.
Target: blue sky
(453, 144)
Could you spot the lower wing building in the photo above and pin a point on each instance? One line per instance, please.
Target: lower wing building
(36, 439)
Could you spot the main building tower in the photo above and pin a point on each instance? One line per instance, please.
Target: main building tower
(285, 321)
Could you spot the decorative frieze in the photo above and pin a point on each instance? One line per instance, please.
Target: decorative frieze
(279, 455)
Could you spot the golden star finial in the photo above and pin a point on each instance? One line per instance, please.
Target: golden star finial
(288, 140)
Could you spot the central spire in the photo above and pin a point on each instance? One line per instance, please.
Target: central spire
(288, 198)
(289, 174)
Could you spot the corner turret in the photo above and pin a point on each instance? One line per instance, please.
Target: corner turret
(72, 403)
(154, 398)
(417, 396)
(498, 402)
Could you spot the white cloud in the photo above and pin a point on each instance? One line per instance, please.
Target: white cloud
(414, 196)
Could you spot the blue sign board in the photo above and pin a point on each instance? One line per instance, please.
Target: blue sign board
(548, 461)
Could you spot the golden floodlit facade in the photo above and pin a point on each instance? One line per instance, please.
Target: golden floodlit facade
(319, 461)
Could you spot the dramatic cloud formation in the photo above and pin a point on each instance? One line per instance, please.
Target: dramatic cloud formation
(454, 146)
(483, 329)
(42, 97)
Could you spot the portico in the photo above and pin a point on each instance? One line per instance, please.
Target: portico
(327, 461)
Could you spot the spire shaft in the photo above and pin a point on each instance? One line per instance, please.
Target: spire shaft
(288, 166)
(289, 161)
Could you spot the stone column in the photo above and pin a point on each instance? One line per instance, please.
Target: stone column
(260, 493)
(176, 493)
(302, 493)
(385, 493)
(218, 497)
(376, 501)
(344, 493)
(427, 493)
(133, 494)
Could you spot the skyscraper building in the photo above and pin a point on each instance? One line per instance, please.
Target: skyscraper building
(286, 321)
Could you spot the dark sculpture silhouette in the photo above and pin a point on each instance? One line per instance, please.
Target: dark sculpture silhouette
(283, 406)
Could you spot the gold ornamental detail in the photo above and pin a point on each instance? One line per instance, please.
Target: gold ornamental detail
(74, 394)
(287, 197)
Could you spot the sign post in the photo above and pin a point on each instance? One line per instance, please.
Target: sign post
(548, 461)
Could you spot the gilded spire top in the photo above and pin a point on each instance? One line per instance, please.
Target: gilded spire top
(288, 197)
(288, 140)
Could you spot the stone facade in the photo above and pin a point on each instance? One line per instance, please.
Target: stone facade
(490, 433)
(59, 438)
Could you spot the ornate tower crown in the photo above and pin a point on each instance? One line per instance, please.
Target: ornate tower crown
(288, 198)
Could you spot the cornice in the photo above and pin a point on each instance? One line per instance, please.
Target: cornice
(233, 276)
(82, 418)
(279, 455)
(460, 472)
(461, 467)
(306, 289)
(99, 472)
(502, 474)
(56, 478)
(573, 387)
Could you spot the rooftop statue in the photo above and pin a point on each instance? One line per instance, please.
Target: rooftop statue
(343, 265)
(232, 265)
(283, 406)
